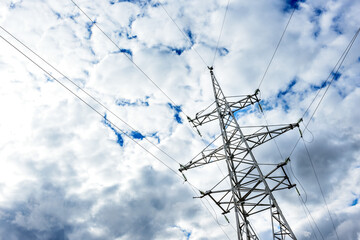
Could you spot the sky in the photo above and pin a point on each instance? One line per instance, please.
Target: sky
(72, 169)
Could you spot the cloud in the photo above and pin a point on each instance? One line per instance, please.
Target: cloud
(67, 173)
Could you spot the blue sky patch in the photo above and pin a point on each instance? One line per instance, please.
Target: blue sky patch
(119, 140)
(317, 87)
(132, 19)
(178, 51)
(92, 51)
(127, 51)
(281, 95)
(342, 93)
(317, 32)
(335, 26)
(141, 3)
(186, 233)
(138, 102)
(128, 36)
(155, 5)
(245, 111)
(154, 135)
(223, 51)
(288, 89)
(292, 4)
(58, 15)
(137, 135)
(124, 32)
(355, 202)
(318, 11)
(336, 75)
(315, 19)
(49, 79)
(74, 16)
(89, 29)
(177, 110)
(12, 5)
(266, 106)
(190, 35)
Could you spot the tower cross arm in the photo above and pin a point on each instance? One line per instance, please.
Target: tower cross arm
(244, 102)
(206, 116)
(266, 133)
(204, 157)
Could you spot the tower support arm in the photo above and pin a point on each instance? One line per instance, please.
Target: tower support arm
(265, 134)
(205, 157)
(205, 116)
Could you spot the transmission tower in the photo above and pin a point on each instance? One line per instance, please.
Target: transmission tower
(251, 190)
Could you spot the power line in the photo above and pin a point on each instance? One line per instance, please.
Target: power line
(281, 157)
(129, 58)
(222, 26)
(81, 89)
(333, 74)
(182, 32)
(277, 46)
(87, 93)
(307, 217)
(337, 67)
(215, 219)
(86, 103)
(100, 114)
(302, 202)
(304, 205)
(213, 61)
(132, 61)
(302, 187)
(321, 190)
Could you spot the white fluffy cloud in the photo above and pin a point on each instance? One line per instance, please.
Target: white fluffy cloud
(68, 173)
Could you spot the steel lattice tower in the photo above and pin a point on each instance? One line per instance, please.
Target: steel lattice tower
(251, 190)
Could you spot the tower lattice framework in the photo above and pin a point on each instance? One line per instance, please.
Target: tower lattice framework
(251, 190)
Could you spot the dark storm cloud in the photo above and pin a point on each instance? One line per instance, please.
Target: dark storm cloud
(331, 157)
(143, 212)
(148, 210)
(46, 213)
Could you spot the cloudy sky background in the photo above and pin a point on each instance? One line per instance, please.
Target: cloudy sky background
(68, 173)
